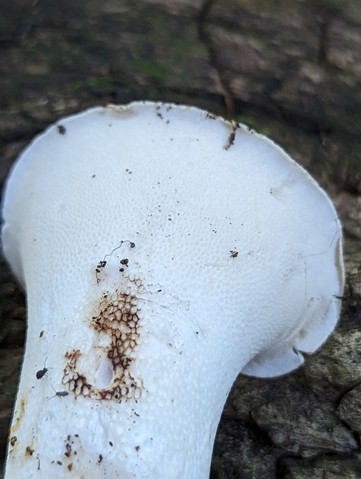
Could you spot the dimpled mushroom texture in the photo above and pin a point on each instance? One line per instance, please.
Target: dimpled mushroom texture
(163, 251)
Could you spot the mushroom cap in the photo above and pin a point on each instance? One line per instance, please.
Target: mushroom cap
(213, 204)
(163, 250)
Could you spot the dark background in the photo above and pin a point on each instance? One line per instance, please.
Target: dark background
(290, 69)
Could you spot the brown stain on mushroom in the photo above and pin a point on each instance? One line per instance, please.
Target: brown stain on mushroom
(13, 440)
(117, 315)
(17, 421)
(29, 451)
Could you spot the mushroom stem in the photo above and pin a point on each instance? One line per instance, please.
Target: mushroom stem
(92, 417)
(163, 250)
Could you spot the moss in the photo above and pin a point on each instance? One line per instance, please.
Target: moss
(151, 69)
(90, 83)
(254, 123)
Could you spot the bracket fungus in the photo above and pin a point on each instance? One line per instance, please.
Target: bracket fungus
(163, 251)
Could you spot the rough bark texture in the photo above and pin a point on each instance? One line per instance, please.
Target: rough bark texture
(290, 69)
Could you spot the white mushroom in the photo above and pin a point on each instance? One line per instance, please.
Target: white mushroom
(163, 250)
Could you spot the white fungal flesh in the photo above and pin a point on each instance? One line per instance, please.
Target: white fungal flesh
(163, 251)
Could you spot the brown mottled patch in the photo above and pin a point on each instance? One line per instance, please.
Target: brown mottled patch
(117, 316)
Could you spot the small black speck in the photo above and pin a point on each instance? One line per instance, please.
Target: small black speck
(110, 443)
(93, 176)
(61, 394)
(41, 373)
(61, 129)
(59, 462)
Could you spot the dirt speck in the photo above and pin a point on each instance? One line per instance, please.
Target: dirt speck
(232, 136)
(61, 129)
(29, 451)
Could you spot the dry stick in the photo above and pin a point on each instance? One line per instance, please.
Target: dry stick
(206, 39)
